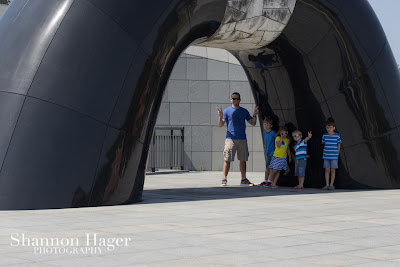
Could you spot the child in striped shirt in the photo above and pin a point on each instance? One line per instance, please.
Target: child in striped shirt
(300, 148)
(332, 142)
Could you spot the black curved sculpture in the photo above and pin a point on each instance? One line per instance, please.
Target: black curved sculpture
(81, 84)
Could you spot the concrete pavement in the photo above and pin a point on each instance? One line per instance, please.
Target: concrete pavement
(187, 219)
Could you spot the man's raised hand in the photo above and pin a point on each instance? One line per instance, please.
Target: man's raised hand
(220, 113)
(255, 111)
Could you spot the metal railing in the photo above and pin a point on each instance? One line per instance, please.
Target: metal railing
(167, 148)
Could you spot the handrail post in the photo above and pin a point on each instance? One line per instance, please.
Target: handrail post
(153, 153)
(171, 158)
(183, 149)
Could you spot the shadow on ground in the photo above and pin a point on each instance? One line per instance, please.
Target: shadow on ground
(151, 196)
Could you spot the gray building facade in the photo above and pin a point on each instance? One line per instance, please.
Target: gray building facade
(202, 80)
(2, 9)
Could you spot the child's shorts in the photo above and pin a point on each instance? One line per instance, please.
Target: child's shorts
(300, 167)
(278, 164)
(330, 163)
(268, 161)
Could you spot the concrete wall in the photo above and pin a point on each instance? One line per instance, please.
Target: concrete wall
(2, 9)
(203, 79)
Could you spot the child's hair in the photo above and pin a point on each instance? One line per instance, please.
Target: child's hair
(269, 120)
(281, 129)
(330, 122)
(296, 132)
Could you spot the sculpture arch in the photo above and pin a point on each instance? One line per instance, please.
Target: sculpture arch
(82, 81)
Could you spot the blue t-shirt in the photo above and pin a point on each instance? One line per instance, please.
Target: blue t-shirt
(300, 149)
(235, 122)
(331, 146)
(269, 141)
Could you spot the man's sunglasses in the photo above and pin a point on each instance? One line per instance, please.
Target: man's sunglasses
(296, 135)
(234, 98)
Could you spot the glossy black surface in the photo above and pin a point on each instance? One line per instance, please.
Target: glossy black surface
(52, 158)
(329, 65)
(94, 73)
(364, 25)
(87, 61)
(26, 30)
(10, 106)
(390, 80)
(135, 17)
(117, 169)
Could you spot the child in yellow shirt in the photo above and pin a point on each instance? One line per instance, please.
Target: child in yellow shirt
(279, 159)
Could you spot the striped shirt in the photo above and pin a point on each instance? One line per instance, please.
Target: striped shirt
(331, 145)
(301, 150)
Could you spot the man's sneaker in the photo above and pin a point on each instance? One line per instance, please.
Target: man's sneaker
(224, 182)
(246, 181)
(326, 187)
(264, 183)
(269, 183)
(332, 187)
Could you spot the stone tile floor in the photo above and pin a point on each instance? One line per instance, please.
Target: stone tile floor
(187, 219)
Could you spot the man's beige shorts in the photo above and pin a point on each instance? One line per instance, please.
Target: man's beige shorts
(231, 146)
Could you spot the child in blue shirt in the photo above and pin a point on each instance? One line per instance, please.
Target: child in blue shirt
(269, 141)
(300, 149)
(332, 142)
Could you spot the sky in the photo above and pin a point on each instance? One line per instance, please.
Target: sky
(388, 14)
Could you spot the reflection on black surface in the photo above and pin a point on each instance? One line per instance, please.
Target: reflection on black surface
(117, 169)
(262, 61)
(323, 70)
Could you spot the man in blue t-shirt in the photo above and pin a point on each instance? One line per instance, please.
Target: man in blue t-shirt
(235, 117)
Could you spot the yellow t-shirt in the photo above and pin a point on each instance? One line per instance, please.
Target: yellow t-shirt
(281, 152)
